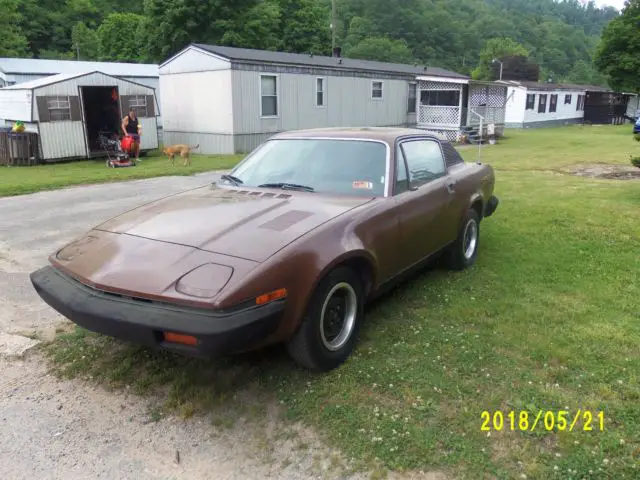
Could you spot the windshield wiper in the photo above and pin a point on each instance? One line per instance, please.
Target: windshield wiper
(232, 179)
(287, 186)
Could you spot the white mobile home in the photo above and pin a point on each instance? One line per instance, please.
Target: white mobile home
(532, 104)
(228, 100)
(66, 113)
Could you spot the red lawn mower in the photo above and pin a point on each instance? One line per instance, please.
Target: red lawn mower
(117, 150)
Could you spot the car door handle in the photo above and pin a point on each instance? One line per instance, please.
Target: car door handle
(451, 186)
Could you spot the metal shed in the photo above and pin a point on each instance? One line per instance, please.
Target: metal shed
(228, 99)
(67, 112)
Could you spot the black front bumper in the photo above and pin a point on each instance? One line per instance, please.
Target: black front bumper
(491, 206)
(144, 322)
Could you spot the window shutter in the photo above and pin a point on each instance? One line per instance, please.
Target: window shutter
(43, 109)
(151, 106)
(74, 107)
(124, 105)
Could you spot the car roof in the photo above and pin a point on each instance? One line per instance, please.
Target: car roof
(386, 134)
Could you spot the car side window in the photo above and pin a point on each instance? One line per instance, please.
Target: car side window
(424, 160)
(402, 180)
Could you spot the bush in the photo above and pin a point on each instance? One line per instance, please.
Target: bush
(637, 137)
(635, 161)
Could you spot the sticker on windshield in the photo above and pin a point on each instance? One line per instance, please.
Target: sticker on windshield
(363, 184)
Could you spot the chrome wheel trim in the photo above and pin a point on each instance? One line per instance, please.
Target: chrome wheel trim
(348, 320)
(470, 239)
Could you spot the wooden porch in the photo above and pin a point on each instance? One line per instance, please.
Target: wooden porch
(446, 106)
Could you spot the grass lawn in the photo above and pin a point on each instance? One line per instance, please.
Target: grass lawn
(548, 319)
(21, 180)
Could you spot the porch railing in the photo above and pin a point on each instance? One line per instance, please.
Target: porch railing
(440, 116)
(493, 115)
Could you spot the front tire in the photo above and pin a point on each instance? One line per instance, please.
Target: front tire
(464, 251)
(328, 332)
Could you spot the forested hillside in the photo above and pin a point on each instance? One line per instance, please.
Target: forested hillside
(560, 36)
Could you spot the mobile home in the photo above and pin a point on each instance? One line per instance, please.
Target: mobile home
(229, 100)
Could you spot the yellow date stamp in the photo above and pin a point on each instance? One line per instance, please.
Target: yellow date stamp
(546, 420)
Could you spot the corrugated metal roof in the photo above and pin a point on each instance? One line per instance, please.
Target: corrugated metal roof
(554, 86)
(41, 82)
(61, 77)
(266, 56)
(36, 66)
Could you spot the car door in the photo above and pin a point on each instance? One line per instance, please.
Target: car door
(423, 193)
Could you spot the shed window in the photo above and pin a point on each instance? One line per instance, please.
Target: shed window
(531, 101)
(269, 95)
(411, 102)
(59, 109)
(139, 104)
(542, 104)
(376, 89)
(553, 103)
(319, 92)
(567, 99)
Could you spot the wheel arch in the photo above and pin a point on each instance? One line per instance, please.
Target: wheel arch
(362, 262)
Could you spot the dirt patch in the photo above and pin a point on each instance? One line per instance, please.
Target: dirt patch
(609, 172)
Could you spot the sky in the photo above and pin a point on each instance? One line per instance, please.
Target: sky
(614, 3)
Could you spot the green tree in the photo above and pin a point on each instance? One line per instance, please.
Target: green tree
(260, 29)
(14, 42)
(382, 49)
(49, 54)
(618, 53)
(118, 37)
(173, 25)
(584, 73)
(304, 26)
(85, 42)
(496, 48)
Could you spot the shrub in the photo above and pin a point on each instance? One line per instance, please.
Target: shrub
(635, 161)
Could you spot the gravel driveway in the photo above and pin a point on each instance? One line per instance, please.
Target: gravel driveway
(72, 430)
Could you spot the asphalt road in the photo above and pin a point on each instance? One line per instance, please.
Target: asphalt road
(53, 429)
(33, 226)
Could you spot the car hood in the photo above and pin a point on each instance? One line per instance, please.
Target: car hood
(249, 224)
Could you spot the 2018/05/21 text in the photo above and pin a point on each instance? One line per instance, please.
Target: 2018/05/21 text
(549, 420)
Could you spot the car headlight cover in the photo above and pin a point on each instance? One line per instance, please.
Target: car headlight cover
(204, 281)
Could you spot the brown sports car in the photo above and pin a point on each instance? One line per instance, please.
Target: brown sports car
(286, 248)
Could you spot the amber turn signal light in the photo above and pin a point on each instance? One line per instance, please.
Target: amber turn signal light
(179, 338)
(271, 296)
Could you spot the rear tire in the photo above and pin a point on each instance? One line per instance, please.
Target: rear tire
(329, 330)
(464, 251)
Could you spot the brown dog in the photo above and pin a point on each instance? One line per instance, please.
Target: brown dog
(183, 150)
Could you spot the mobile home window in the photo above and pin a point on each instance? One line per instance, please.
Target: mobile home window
(567, 99)
(59, 109)
(531, 101)
(139, 104)
(269, 95)
(580, 103)
(553, 103)
(319, 92)
(411, 105)
(542, 104)
(376, 89)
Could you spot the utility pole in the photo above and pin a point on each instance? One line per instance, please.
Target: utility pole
(333, 25)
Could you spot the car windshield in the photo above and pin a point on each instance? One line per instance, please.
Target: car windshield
(344, 167)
